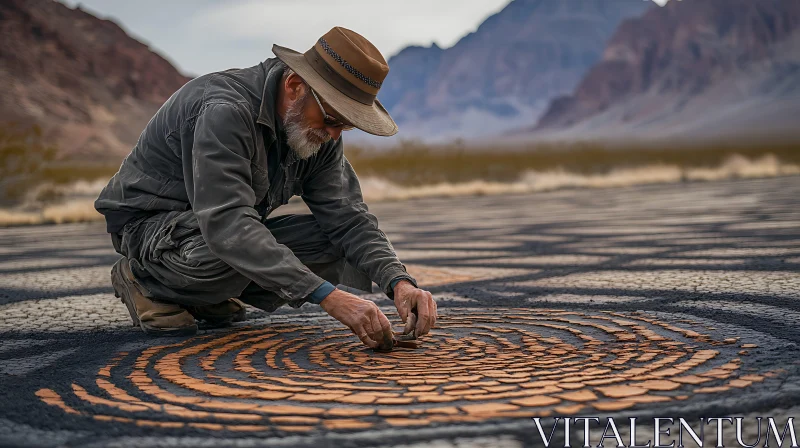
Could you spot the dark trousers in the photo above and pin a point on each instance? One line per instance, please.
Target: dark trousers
(170, 259)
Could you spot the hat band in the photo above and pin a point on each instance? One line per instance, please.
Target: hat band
(350, 69)
(336, 79)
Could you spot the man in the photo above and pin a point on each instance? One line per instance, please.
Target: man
(189, 207)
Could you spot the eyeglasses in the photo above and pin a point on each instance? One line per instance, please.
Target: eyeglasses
(329, 119)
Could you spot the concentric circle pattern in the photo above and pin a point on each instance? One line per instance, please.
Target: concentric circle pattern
(476, 365)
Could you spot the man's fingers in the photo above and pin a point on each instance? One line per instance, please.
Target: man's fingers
(435, 311)
(376, 332)
(402, 310)
(369, 342)
(411, 324)
(386, 327)
(381, 329)
(425, 311)
(363, 335)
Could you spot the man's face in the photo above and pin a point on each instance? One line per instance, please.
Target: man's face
(305, 128)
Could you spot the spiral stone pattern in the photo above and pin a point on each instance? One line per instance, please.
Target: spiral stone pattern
(477, 365)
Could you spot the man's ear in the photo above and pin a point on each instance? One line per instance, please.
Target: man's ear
(293, 86)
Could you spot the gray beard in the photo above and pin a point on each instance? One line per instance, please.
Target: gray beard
(304, 141)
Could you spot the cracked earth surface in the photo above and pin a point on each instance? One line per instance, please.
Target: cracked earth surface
(671, 300)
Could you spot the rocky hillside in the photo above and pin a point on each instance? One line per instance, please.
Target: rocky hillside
(89, 85)
(504, 74)
(699, 68)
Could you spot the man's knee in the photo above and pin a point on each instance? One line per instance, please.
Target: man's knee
(303, 235)
(169, 256)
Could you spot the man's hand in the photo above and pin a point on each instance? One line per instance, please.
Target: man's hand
(361, 316)
(408, 298)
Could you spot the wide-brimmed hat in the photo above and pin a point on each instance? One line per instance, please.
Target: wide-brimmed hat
(347, 71)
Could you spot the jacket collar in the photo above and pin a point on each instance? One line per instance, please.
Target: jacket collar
(267, 116)
(269, 96)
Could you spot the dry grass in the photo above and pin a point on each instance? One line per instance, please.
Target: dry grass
(79, 210)
(64, 193)
(735, 167)
(413, 164)
(51, 203)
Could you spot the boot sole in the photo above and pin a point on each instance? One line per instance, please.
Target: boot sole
(122, 291)
(222, 321)
(241, 316)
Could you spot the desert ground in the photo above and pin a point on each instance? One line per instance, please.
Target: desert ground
(678, 300)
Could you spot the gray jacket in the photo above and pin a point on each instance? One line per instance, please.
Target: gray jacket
(217, 147)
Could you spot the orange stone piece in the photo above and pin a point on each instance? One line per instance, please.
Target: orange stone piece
(536, 401)
(350, 412)
(648, 399)
(709, 390)
(487, 408)
(579, 396)
(285, 409)
(690, 379)
(448, 410)
(346, 424)
(390, 400)
(361, 398)
(289, 428)
(407, 421)
(295, 420)
(611, 406)
(621, 391)
(569, 410)
(753, 378)
(658, 385)
(315, 397)
(394, 412)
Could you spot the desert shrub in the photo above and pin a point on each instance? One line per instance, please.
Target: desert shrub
(23, 155)
(415, 164)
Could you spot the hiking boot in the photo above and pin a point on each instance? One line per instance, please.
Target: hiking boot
(220, 314)
(155, 318)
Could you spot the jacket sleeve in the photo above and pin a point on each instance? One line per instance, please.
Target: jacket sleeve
(223, 200)
(333, 195)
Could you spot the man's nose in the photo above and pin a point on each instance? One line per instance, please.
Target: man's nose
(335, 133)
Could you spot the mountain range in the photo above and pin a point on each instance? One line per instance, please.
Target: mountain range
(503, 75)
(89, 86)
(536, 70)
(690, 70)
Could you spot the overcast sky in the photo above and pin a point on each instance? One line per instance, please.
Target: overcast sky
(201, 36)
